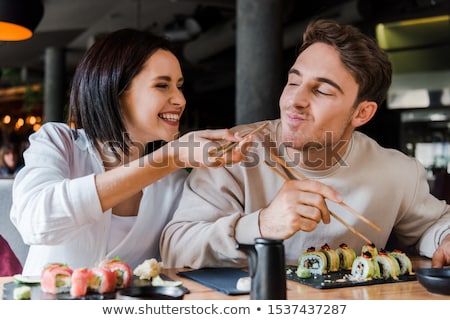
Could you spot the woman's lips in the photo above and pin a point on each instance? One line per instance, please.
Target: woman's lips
(170, 118)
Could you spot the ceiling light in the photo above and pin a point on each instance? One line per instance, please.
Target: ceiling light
(19, 18)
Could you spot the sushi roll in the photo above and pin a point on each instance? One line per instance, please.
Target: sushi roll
(370, 247)
(389, 267)
(122, 270)
(346, 256)
(365, 267)
(56, 278)
(333, 261)
(80, 282)
(313, 260)
(403, 261)
(102, 280)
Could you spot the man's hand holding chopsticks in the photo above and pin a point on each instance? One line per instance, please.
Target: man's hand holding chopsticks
(298, 205)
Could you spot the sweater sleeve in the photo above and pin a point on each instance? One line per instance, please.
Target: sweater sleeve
(439, 228)
(49, 202)
(203, 231)
(426, 221)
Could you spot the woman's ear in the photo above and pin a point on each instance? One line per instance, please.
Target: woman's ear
(364, 112)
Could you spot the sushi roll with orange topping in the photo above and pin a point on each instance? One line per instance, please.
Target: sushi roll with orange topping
(56, 278)
(122, 271)
(102, 280)
(80, 281)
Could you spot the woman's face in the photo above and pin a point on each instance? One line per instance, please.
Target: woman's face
(10, 159)
(154, 102)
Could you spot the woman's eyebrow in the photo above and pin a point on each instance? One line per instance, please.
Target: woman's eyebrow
(168, 78)
(294, 71)
(165, 78)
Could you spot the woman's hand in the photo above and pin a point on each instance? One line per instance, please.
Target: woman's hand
(194, 149)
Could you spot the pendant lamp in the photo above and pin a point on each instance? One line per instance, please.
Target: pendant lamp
(19, 18)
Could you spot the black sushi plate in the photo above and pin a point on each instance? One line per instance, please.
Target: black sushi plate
(339, 279)
(38, 294)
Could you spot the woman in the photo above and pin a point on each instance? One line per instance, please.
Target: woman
(90, 192)
(10, 162)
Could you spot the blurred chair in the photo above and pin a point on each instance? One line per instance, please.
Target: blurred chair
(7, 230)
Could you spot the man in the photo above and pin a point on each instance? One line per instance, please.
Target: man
(337, 82)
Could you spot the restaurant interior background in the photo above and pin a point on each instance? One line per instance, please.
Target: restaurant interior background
(415, 33)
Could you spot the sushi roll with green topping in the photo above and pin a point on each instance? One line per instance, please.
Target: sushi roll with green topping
(333, 261)
(313, 260)
(365, 267)
(370, 247)
(389, 267)
(403, 261)
(346, 256)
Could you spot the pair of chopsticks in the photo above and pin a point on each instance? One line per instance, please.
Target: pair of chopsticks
(224, 148)
(342, 204)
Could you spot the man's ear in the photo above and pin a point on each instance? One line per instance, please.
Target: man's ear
(364, 112)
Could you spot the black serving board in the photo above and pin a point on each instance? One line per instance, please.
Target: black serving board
(38, 294)
(223, 280)
(329, 281)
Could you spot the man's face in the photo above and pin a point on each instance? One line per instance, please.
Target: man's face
(317, 103)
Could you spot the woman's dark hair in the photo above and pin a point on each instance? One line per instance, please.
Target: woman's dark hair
(360, 54)
(103, 74)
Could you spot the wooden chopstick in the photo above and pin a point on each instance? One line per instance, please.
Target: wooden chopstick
(282, 162)
(356, 232)
(230, 145)
(351, 228)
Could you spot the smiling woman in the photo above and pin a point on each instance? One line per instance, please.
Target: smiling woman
(96, 194)
(154, 102)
